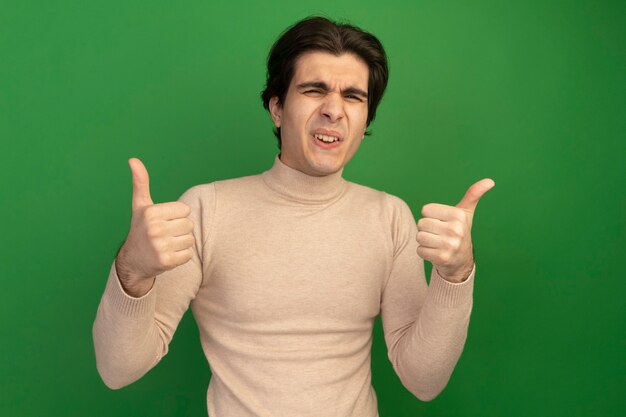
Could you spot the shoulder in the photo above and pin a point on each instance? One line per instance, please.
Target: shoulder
(392, 205)
(210, 191)
(202, 199)
(393, 213)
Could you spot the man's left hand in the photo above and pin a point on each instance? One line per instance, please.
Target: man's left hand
(444, 234)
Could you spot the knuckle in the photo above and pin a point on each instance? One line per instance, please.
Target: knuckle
(185, 257)
(154, 230)
(454, 244)
(444, 257)
(455, 229)
(165, 260)
(185, 208)
(160, 245)
(150, 213)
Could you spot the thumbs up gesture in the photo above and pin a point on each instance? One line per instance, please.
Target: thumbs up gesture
(444, 234)
(160, 236)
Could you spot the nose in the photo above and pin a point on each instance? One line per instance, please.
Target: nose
(332, 108)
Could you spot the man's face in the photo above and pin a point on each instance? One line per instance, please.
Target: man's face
(326, 101)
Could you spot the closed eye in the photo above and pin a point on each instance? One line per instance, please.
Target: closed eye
(354, 97)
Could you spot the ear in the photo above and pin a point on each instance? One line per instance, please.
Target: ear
(276, 111)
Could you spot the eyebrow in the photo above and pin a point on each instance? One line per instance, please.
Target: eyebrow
(324, 87)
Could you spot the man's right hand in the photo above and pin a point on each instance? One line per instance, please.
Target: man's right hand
(160, 237)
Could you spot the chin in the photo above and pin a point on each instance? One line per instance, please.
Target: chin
(326, 168)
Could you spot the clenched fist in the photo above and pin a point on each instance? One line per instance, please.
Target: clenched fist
(444, 234)
(160, 237)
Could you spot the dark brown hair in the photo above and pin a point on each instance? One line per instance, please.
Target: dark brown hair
(320, 34)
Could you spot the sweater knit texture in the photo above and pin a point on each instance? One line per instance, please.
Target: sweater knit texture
(288, 276)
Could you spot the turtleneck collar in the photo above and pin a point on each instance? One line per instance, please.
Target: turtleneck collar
(297, 185)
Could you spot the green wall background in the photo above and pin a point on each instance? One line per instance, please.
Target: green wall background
(530, 93)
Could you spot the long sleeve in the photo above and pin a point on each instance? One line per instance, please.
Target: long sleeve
(131, 335)
(290, 274)
(425, 326)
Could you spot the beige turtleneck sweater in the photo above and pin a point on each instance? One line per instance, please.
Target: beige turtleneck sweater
(289, 275)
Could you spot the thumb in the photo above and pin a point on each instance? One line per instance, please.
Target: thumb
(474, 193)
(141, 184)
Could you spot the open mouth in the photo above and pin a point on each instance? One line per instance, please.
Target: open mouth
(326, 138)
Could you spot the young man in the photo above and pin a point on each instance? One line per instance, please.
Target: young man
(286, 271)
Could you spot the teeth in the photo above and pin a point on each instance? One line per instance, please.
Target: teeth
(326, 138)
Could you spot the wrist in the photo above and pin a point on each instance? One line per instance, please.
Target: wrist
(132, 284)
(457, 277)
(139, 288)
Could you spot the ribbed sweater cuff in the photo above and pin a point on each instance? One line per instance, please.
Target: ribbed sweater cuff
(127, 304)
(450, 294)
